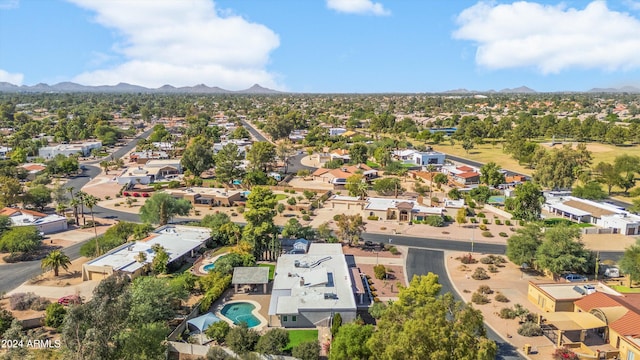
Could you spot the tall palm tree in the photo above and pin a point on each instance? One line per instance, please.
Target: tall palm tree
(56, 260)
(81, 195)
(75, 203)
(90, 201)
(431, 169)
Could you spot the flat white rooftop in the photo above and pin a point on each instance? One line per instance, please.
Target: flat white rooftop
(316, 281)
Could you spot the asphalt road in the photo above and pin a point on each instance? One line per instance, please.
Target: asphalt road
(422, 262)
(13, 275)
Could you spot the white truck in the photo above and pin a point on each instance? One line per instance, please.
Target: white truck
(609, 271)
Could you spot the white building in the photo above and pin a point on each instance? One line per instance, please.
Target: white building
(46, 224)
(420, 158)
(308, 289)
(153, 170)
(84, 149)
(603, 215)
(4, 151)
(337, 131)
(178, 241)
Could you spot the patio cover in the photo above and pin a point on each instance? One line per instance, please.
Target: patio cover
(567, 321)
(202, 322)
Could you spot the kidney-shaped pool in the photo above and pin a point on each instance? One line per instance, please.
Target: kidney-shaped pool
(239, 312)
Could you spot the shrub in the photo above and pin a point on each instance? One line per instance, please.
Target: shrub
(291, 201)
(22, 301)
(380, 271)
(501, 298)
(383, 228)
(435, 220)
(486, 260)
(487, 234)
(492, 268)
(116, 204)
(485, 221)
(39, 304)
(394, 251)
(336, 323)
(530, 329)
(107, 197)
(507, 313)
(467, 259)
(479, 299)
(482, 215)
(54, 315)
(448, 218)
(157, 187)
(473, 220)
(503, 234)
(564, 354)
(507, 222)
(241, 209)
(337, 217)
(483, 227)
(173, 184)
(306, 217)
(480, 274)
(6, 318)
(372, 217)
(498, 222)
(485, 290)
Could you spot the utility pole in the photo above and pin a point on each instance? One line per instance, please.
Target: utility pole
(473, 231)
(597, 263)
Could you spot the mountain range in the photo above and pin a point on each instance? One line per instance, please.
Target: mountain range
(69, 87)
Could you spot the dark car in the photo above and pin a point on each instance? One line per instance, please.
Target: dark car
(575, 278)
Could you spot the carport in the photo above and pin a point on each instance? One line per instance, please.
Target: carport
(564, 323)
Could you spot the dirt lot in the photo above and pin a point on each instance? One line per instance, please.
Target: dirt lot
(73, 276)
(366, 260)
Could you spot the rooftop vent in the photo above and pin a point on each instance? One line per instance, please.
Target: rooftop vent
(328, 296)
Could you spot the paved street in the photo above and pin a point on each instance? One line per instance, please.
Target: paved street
(423, 261)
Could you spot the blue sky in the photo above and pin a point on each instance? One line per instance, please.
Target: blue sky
(324, 46)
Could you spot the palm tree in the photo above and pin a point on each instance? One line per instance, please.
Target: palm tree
(81, 195)
(105, 165)
(75, 203)
(431, 169)
(56, 260)
(90, 201)
(60, 208)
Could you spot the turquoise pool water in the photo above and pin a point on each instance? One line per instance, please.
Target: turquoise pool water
(209, 267)
(239, 312)
(496, 200)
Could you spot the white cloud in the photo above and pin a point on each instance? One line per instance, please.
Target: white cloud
(182, 43)
(632, 4)
(15, 79)
(366, 7)
(9, 4)
(551, 38)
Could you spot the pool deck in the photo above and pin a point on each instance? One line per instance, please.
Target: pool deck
(261, 302)
(198, 266)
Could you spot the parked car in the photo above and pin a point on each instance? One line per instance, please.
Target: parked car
(575, 278)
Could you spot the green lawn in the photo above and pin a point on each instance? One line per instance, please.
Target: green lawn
(299, 336)
(373, 165)
(625, 289)
(281, 197)
(272, 269)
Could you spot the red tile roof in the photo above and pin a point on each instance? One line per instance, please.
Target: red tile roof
(12, 211)
(628, 325)
(464, 168)
(467, 175)
(596, 300)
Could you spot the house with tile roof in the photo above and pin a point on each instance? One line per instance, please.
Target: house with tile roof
(330, 175)
(33, 170)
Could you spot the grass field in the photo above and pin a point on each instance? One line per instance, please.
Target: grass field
(625, 289)
(281, 197)
(272, 269)
(299, 336)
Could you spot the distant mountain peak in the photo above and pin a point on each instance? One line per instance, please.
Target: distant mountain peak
(122, 87)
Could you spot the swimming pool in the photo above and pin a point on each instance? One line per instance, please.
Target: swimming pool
(209, 267)
(496, 199)
(239, 312)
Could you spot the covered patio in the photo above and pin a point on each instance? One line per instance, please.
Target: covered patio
(582, 332)
(246, 279)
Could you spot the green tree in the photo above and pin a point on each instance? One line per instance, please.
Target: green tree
(522, 246)
(382, 156)
(491, 175)
(630, 261)
(261, 156)
(218, 331)
(38, 196)
(357, 186)
(20, 239)
(358, 153)
(307, 350)
(388, 186)
(10, 190)
(351, 342)
(608, 175)
(461, 216)
(559, 168)
(152, 300)
(591, 190)
(467, 145)
(481, 194)
(273, 342)
(440, 179)
(241, 339)
(350, 228)
(284, 152)
(424, 325)
(562, 250)
(260, 229)
(228, 161)
(54, 315)
(160, 260)
(527, 203)
(146, 341)
(5, 320)
(56, 260)
(198, 156)
(161, 207)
